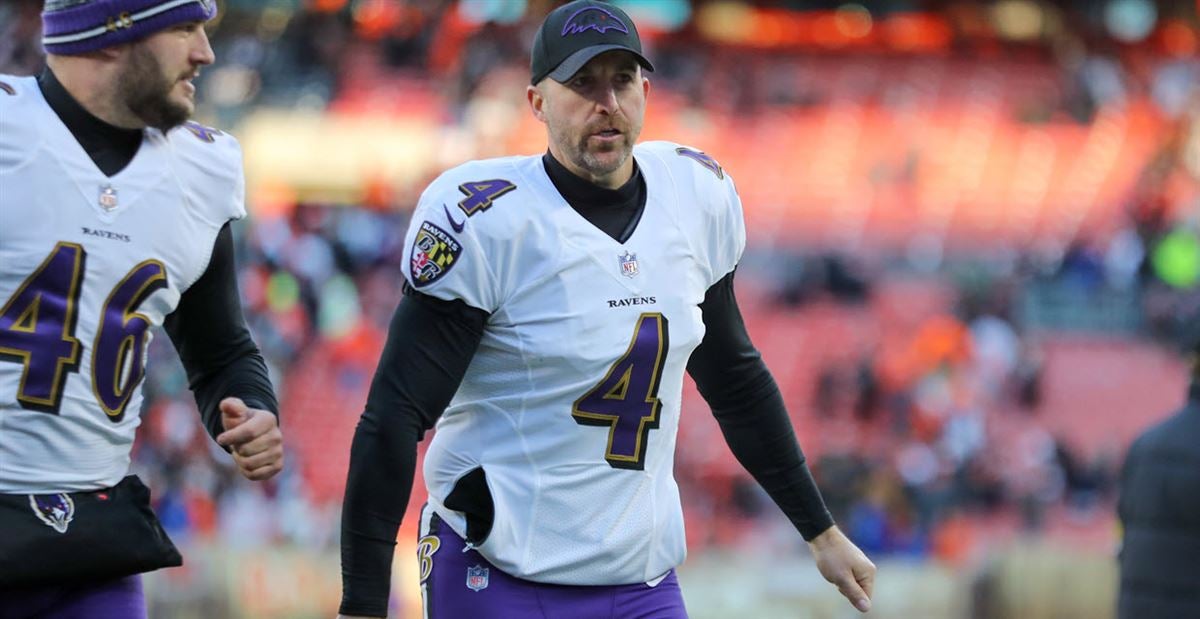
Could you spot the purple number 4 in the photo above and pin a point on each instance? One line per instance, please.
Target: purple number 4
(37, 327)
(480, 194)
(626, 400)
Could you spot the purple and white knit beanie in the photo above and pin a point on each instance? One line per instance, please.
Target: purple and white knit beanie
(80, 26)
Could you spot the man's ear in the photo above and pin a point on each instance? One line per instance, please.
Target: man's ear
(537, 102)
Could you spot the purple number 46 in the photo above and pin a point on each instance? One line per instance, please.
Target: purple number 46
(37, 330)
(626, 400)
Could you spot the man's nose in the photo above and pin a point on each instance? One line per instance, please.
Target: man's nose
(202, 51)
(607, 100)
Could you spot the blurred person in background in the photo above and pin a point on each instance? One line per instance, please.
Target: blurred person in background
(1159, 510)
(115, 217)
(552, 306)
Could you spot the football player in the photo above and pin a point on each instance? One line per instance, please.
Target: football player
(114, 218)
(552, 306)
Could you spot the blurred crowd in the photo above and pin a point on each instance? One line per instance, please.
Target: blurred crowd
(320, 280)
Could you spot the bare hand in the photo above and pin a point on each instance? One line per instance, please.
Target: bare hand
(254, 438)
(843, 564)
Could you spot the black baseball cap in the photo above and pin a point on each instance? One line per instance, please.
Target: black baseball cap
(578, 31)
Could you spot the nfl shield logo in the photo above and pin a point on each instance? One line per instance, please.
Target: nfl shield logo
(629, 265)
(108, 197)
(477, 578)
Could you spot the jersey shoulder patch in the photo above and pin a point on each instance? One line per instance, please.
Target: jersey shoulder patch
(434, 252)
(465, 216)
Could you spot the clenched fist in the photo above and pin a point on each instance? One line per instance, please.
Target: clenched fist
(253, 436)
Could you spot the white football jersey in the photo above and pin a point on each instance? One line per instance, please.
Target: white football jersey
(87, 264)
(571, 403)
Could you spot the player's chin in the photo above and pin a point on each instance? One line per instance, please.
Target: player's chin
(607, 149)
(182, 108)
(183, 94)
(611, 158)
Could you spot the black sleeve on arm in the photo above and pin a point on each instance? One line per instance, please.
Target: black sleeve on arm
(210, 334)
(733, 379)
(430, 344)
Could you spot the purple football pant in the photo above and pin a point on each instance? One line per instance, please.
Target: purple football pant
(115, 599)
(463, 584)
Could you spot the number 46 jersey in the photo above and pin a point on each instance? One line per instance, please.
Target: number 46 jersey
(87, 264)
(571, 403)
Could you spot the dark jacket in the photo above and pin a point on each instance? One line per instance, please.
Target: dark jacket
(1160, 511)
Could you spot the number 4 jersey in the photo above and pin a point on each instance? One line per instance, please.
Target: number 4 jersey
(87, 264)
(571, 403)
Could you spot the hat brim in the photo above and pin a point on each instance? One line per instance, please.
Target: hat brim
(573, 63)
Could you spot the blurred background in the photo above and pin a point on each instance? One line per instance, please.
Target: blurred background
(974, 261)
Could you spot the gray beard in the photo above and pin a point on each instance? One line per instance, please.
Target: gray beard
(588, 161)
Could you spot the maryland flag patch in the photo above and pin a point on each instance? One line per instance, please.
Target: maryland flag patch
(433, 254)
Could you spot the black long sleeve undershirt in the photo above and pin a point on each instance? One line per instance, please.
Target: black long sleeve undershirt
(735, 382)
(430, 344)
(210, 334)
(207, 327)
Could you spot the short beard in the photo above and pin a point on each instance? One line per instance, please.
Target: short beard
(586, 160)
(147, 92)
